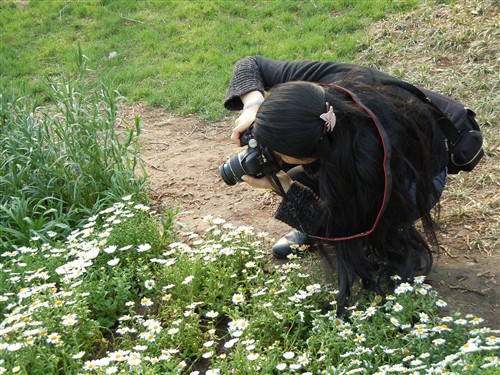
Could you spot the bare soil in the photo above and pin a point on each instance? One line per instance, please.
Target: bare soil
(183, 156)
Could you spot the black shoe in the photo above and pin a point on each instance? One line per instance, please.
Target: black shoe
(286, 245)
(423, 265)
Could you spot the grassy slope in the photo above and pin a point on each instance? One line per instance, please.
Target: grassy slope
(450, 48)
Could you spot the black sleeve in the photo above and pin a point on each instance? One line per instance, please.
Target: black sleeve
(256, 73)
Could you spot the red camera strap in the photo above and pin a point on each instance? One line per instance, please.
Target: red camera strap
(386, 145)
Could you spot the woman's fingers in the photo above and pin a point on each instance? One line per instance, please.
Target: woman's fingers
(259, 183)
(246, 119)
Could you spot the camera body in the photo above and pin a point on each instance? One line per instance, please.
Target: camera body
(255, 161)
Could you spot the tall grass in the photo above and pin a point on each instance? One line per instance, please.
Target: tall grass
(62, 162)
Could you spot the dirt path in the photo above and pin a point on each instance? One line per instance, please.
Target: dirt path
(183, 156)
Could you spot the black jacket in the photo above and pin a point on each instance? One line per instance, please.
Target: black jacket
(261, 74)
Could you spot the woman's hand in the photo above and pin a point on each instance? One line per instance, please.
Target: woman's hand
(251, 103)
(243, 122)
(264, 183)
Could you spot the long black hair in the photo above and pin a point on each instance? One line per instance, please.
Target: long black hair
(351, 174)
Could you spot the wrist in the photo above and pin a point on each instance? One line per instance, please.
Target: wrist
(253, 102)
(285, 181)
(252, 98)
(286, 185)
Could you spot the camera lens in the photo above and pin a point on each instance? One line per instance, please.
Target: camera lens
(232, 170)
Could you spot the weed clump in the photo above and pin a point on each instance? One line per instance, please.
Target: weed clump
(141, 229)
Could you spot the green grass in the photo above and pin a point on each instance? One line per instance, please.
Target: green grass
(177, 54)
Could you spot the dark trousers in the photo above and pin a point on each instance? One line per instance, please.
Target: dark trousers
(297, 173)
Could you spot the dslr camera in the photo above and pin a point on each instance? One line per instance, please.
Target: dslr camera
(255, 161)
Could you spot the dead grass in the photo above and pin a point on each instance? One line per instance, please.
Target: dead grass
(450, 48)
